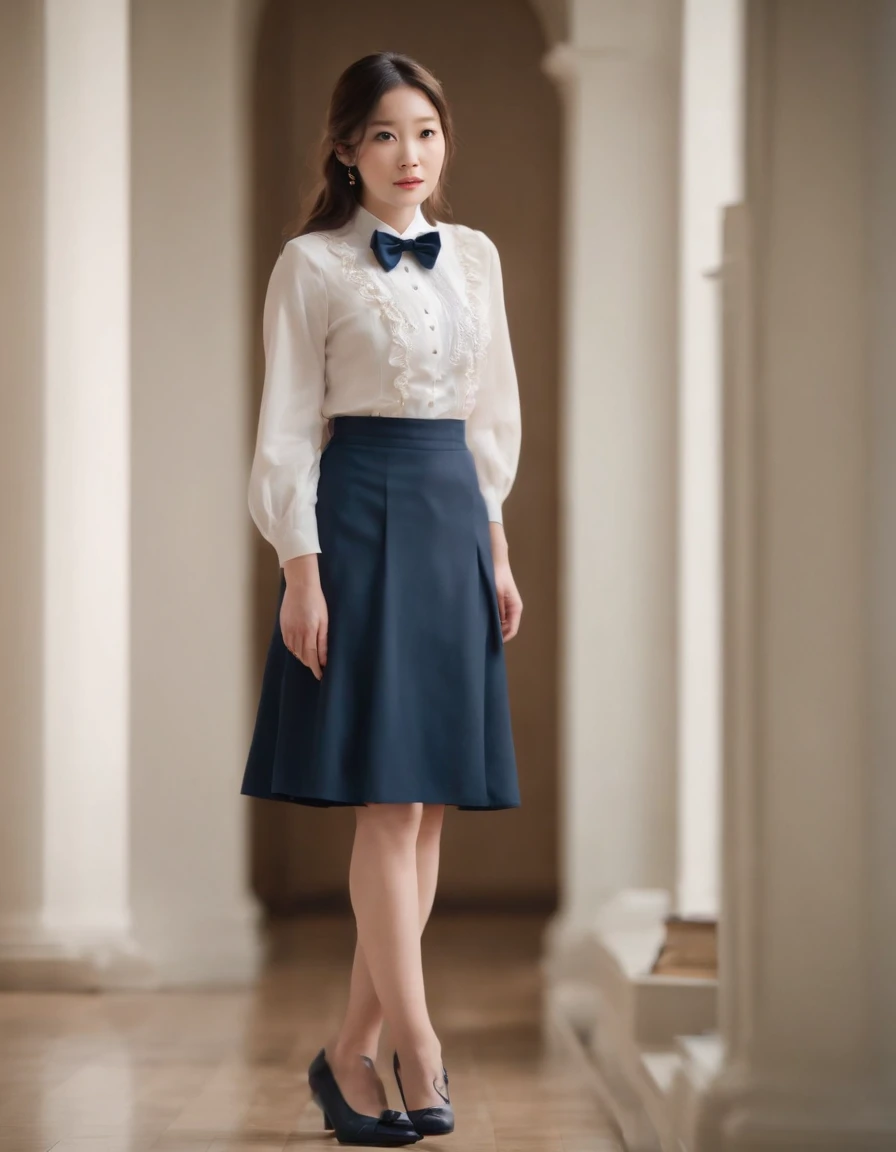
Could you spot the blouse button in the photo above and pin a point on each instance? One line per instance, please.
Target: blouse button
(431, 404)
(426, 310)
(415, 287)
(432, 327)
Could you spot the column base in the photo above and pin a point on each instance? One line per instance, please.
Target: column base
(34, 958)
(614, 954)
(220, 949)
(674, 1093)
(726, 1111)
(217, 950)
(627, 1021)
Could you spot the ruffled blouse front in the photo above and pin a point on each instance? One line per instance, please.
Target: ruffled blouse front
(342, 336)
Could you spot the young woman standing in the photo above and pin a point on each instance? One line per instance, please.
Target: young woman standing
(388, 439)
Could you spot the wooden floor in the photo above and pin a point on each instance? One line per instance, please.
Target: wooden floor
(226, 1071)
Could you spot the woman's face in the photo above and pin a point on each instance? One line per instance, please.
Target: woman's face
(401, 154)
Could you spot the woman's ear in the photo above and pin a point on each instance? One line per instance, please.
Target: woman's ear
(343, 154)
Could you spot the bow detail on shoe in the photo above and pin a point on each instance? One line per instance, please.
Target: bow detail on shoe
(391, 1116)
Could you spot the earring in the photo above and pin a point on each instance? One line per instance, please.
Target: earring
(351, 177)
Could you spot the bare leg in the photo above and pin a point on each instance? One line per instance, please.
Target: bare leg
(363, 1021)
(362, 1025)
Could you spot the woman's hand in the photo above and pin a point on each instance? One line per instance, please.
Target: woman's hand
(303, 614)
(510, 605)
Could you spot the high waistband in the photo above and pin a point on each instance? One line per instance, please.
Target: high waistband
(401, 430)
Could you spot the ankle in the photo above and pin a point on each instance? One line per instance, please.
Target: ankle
(346, 1048)
(419, 1054)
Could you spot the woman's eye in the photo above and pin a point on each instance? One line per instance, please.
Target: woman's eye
(385, 132)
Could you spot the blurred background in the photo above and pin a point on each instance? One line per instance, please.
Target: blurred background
(686, 936)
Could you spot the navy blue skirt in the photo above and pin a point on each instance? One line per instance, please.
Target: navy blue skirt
(413, 703)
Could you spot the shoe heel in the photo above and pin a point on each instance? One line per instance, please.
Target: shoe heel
(389, 1129)
(328, 1123)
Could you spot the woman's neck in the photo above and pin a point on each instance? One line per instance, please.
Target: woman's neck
(398, 218)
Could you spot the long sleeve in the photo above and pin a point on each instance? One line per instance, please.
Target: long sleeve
(494, 425)
(286, 465)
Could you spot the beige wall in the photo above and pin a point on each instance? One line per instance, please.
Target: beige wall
(21, 447)
(506, 180)
(882, 622)
(191, 680)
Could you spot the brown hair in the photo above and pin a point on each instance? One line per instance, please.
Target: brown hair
(333, 200)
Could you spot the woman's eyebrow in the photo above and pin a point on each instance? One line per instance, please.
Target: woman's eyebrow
(391, 123)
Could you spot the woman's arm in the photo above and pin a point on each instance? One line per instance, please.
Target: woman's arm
(286, 464)
(494, 435)
(494, 426)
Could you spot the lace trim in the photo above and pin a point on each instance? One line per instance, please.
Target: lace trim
(372, 290)
(473, 329)
(470, 329)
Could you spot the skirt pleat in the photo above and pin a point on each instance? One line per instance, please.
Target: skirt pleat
(413, 704)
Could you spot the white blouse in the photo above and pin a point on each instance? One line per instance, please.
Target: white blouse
(344, 337)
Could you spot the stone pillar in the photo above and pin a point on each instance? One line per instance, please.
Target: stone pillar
(801, 1063)
(86, 570)
(126, 656)
(712, 162)
(618, 73)
(73, 781)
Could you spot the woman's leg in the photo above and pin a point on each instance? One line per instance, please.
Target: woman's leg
(361, 1027)
(363, 1022)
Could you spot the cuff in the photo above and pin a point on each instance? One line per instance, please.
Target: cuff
(493, 506)
(300, 540)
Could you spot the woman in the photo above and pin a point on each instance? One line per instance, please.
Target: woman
(388, 439)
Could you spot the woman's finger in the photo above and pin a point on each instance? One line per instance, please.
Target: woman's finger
(309, 656)
(502, 603)
(514, 614)
(322, 636)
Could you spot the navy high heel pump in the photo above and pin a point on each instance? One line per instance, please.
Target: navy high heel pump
(388, 1130)
(435, 1121)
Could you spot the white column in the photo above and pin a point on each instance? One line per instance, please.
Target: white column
(86, 470)
(711, 177)
(619, 78)
(801, 1066)
(127, 695)
(73, 782)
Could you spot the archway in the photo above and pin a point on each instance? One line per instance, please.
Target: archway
(505, 181)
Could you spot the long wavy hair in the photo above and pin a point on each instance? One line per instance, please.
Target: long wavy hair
(333, 200)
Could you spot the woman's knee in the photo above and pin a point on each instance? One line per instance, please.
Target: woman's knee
(395, 821)
(431, 821)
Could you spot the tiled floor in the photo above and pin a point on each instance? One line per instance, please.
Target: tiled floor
(226, 1071)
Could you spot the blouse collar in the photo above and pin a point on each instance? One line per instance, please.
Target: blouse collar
(364, 224)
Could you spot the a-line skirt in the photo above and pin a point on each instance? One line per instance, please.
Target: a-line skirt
(413, 703)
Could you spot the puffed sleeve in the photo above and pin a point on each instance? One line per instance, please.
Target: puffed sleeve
(494, 426)
(286, 465)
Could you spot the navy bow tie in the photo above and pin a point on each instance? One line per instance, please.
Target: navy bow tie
(388, 248)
